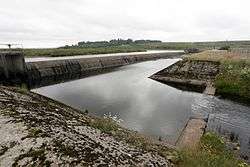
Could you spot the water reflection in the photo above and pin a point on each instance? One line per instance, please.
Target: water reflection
(150, 107)
(226, 118)
(144, 105)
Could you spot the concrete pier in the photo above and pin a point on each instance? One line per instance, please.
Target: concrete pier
(12, 65)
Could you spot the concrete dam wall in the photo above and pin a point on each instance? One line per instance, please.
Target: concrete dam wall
(74, 68)
(11, 65)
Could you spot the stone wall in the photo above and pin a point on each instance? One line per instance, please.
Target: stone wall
(191, 69)
(193, 75)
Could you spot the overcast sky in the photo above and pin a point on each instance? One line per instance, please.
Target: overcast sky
(51, 23)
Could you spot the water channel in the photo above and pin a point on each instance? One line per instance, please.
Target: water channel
(150, 107)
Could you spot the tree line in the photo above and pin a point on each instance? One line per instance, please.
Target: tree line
(113, 42)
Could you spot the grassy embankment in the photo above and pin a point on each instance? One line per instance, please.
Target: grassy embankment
(234, 78)
(200, 45)
(211, 152)
(56, 52)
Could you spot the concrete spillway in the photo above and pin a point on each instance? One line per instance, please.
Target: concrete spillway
(84, 66)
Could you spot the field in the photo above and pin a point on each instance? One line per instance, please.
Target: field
(100, 48)
(234, 78)
(56, 52)
(200, 45)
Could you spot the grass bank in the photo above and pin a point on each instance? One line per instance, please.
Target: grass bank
(234, 78)
(56, 52)
(211, 152)
(100, 48)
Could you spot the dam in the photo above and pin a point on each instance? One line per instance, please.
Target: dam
(123, 92)
(46, 70)
(61, 69)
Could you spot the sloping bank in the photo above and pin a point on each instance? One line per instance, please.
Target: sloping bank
(205, 72)
(56, 70)
(38, 131)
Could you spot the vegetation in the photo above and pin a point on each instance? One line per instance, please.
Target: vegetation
(56, 52)
(211, 152)
(234, 78)
(227, 47)
(112, 43)
(128, 45)
(109, 126)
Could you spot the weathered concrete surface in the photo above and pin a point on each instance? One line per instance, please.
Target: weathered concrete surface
(210, 89)
(191, 134)
(37, 131)
(45, 69)
(190, 75)
(11, 64)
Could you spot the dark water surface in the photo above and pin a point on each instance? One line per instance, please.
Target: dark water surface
(226, 118)
(142, 104)
(150, 107)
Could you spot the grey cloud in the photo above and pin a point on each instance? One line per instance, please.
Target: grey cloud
(53, 23)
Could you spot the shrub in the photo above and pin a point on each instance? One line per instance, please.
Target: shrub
(227, 47)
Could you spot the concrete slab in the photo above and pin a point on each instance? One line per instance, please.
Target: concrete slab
(210, 89)
(191, 134)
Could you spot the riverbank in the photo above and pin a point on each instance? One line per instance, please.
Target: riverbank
(214, 73)
(192, 75)
(40, 131)
(223, 73)
(74, 50)
(234, 78)
(59, 52)
(42, 72)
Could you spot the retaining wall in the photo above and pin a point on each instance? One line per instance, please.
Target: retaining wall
(194, 75)
(83, 66)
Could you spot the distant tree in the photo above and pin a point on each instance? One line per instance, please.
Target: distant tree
(113, 42)
(227, 47)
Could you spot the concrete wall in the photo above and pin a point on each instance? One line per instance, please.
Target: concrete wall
(12, 65)
(241, 51)
(56, 68)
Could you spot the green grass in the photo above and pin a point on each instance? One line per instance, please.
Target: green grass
(200, 45)
(212, 152)
(105, 125)
(56, 52)
(108, 126)
(234, 78)
(74, 50)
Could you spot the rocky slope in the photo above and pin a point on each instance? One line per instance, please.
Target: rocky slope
(37, 131)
